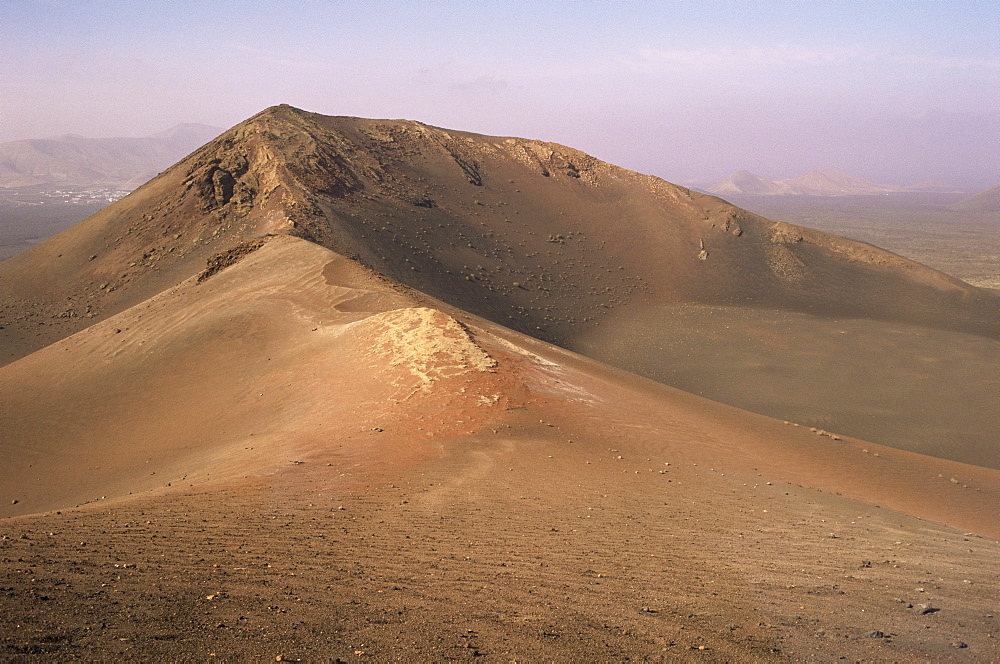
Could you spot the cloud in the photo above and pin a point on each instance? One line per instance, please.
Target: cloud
(788, 56)
(280, 60)
(755, 57)
(481, 85)
(947, 62)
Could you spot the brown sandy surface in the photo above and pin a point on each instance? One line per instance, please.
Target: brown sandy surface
(243, 366)
(586, 525)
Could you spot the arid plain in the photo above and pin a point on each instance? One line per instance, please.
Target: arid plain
(332, 389)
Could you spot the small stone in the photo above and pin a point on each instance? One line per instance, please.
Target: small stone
(959, 644)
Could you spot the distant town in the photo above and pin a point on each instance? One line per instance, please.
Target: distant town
(61, 195)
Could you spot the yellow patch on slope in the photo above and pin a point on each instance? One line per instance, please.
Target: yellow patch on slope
(431, 344)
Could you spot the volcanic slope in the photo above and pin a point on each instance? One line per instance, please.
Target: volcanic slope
(326, 465)
(229, 366)
(668, 283)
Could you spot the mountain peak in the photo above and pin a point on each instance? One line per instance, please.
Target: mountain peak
(537, 237)
(466, 218)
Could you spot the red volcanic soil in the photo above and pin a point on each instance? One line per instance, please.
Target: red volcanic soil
(512, 545)
(281, 404)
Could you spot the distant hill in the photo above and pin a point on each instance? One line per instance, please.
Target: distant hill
(106, 162)
(987, 200)
(745, 182)
(935, 187)
(829, 182)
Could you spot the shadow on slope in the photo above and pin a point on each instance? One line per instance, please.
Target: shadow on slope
(927, 390)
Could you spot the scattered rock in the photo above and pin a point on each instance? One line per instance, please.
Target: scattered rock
(230, 257)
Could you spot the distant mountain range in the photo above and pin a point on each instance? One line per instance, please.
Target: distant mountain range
(124, 163)
(829, 182)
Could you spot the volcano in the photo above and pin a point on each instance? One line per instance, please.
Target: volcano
(371, 386)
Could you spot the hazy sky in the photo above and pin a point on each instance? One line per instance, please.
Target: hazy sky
(898, 92)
